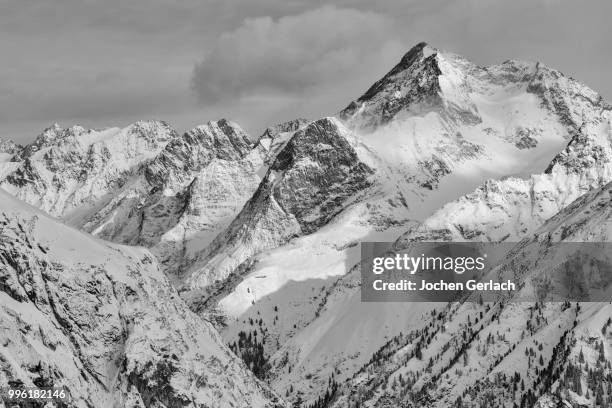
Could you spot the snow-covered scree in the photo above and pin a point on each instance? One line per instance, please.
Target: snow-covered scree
(262, 234)
(102, 320)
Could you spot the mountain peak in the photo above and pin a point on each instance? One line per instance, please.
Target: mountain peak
(54, 126)
(149, 124)
(421, 58)
(154, 131)
(413, 81)
(9, 147)
(272, 132)
(417, 53)
(50, 132)
(430, 80)
(224, 137)
(56, 129)
(52, 135)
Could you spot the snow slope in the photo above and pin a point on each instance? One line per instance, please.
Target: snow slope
(509, 208)
(103, 321)
(506, 352)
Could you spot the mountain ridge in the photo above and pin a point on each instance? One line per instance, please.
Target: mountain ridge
(104, 322)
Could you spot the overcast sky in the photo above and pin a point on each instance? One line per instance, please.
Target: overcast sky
(258, 62)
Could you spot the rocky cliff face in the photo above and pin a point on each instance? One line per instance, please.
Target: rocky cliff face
(413, 85)
(222, 140)
(314, 177)
(103, 321)
(274, 138)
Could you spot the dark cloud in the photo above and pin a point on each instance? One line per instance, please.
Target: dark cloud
(112, 62)
(293, 53)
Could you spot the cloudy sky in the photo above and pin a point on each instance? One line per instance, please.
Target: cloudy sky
(258, 62)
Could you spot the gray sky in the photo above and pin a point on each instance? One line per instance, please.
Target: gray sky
(258, 62)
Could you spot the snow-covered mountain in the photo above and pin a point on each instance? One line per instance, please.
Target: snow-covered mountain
(103, 321)
(509, 208)
(313, 178)
(506, 353)
(142, 185)
(9, 147)
(446, 125)
(430, 132)
(262, 234)
(184, 196)
(65, 172)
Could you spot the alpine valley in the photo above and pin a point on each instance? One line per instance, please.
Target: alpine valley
(144, 268)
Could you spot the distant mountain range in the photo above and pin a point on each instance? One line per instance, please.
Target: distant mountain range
(138, 266)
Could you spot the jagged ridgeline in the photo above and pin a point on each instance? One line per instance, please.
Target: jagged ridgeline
(261, 236)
